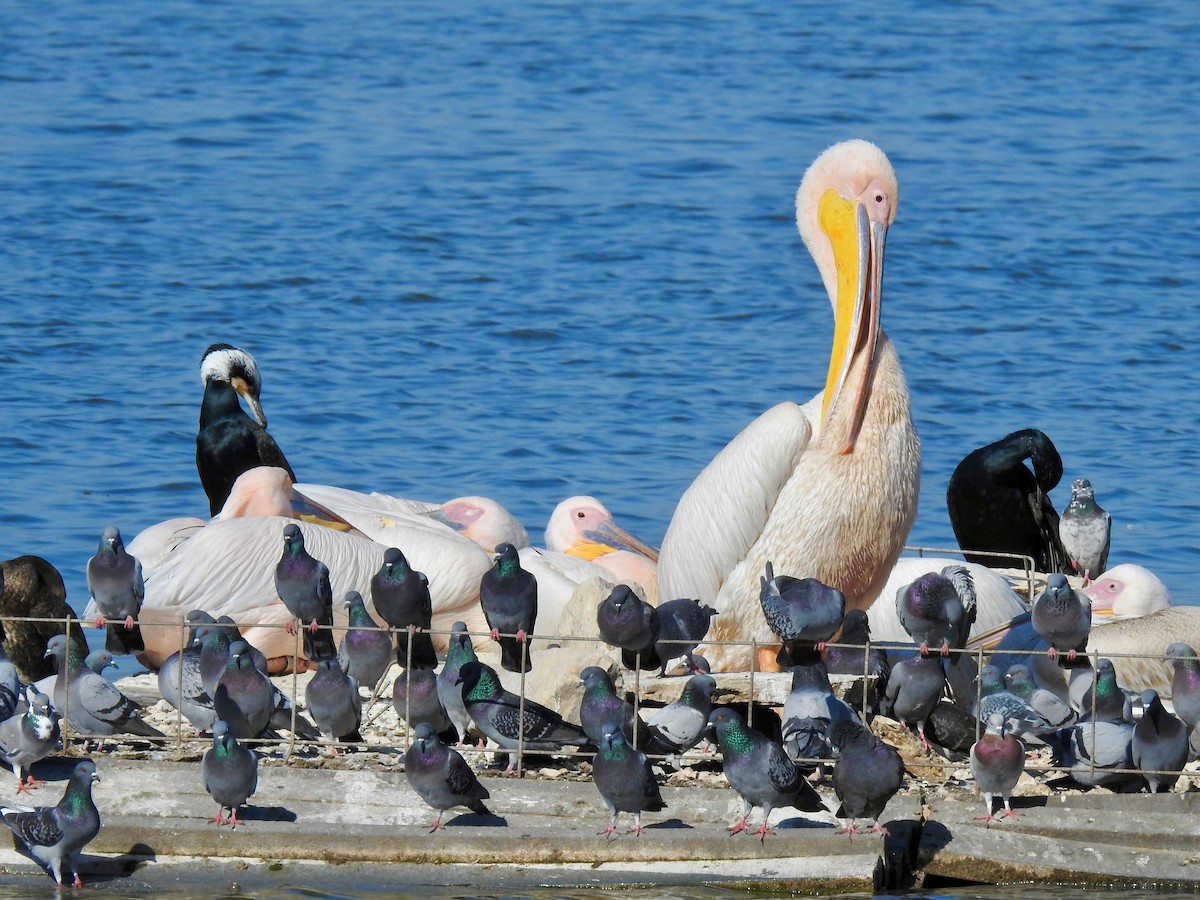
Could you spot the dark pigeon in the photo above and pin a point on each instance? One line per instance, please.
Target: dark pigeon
(230, 773)
(628, 622)
(853, 655)
(91, 703)
(1062, 617)
(938, 609)
(366, 650)
(243, 697)
(401, 597)
(803, 612)
(997, 761)
(1185, 683)
(682, 624)
(1104, 700)
(114, 580)
(417, 700)
(601, 710)
(27, 738)
(334, 704)
(1160, 744)
(303, 585)
(867, 775)
(508, 595)
(441, 777)
(54, 835)
(625, 780)
(760, 771)
(1086, 531)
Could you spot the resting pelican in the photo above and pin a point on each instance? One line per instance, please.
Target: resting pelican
(826, 490)
(226, 567)
(583, 527)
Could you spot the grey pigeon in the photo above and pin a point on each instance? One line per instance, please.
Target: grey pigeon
(54, 835)
(91, 703)
(449, 688)
(1020, 717)
(1097, 751)
(10, 678)
(99, 660)
(760, 771)
(853, 654)
(681, 725)
(1062, 617)
(179, 679)
(937, 609)
(803, 612)
(229, 772)
(1086, 531)
(114, 580)
(628, 622)
(682, 624)
(867, 775)
(1185, 683)
(1160, 744)
(303, 585)
(333, 702)
(997, 761)
(1054, 709)
(508, 595)
(441, 777)
(499, 714)
(1104, 700)
(27, 738)
(808, 711)
(625, 780)
(914, 687)
(401, 597)
(366, 651)
(417, 699)
(243, 697)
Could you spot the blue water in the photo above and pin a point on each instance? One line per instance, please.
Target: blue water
(533, 250)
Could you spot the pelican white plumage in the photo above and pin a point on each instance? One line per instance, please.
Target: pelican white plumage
(227, 566)
(827, 490)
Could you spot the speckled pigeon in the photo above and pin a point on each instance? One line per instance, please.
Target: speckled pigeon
(760, 771)
(508, 595)
(803, 612)
(91, 703)
(449, 688)
(1160, 744)
(1086, 531)
(416, 699)
(625, 781)
(628, 622)
(401, 597)
(997, 761)
(229, 772)
(114, 580)
(441, 777)
(867, 775)
(27, 738)
(1062, 617)
(54, 835)
(365, 652)
(303, 585)
(682, 624)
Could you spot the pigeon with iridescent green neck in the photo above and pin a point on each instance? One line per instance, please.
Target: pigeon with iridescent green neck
(366, 651)
(625, 780)
(28, 737)
(229, 772)
(91, 703)
(508, 595)
(54, 835)
(302, 583)
(400, 595)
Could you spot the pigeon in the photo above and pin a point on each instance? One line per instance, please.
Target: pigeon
(449, 688)
(914, 688)
(1096, 751)
(114, 580)
(867, 775)
(681, 725)
(760, 771)
(401, 597)
(229, 442)
(441, 777)
(230, 773)
(628, 622)
(601, 710)
(303, 585)
(997, 761)
(366, 650)
(33, 608)
(498, 714)
(682, 624)
(508, 595)
(625, 780)
(54, 835)
(1062, 617)
(416, 699)
(99, 660)
(333, 702)
(1086, 531)
(1104, 700)
(1057, 712)
(179, 679)
(90, 703)
(853, 655)
(938, 609)
(27, 738)
(1160, 744)
(808, 711)
(1185, 683)
(243, 696)
(10, 680)
(803, 612)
